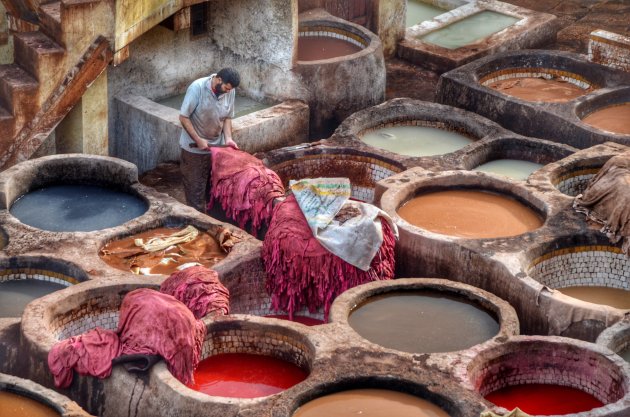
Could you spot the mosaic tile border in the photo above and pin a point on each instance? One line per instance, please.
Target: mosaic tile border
(261, 342)
(547, 73)
(107, 319)
(595, 265)
(333, 32)
(38, 274)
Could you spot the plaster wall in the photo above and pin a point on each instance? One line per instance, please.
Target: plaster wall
(256, 28)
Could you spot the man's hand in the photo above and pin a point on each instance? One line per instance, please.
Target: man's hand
(202, 144)
(230, 142)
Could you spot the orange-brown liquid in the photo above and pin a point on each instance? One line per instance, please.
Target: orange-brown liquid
(614, 297)
(13, 405)
(614, 119)
(539, 89)
(124, 254)
(369, 403)
(470, 214)
(313, 48)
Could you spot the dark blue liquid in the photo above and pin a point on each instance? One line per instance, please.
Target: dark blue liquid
(16, 294)
(76, 208)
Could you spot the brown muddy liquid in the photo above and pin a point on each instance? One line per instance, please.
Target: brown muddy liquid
(124, 254)
(470, 214)
(539, 89)
(423, 321)
(13, 405)
(614, 297)
(614, 119)
(369, 403)
(313, 48)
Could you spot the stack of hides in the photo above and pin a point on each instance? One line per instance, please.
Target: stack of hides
(150, 323)
(606, 200)
(308, 265)
(244, 187)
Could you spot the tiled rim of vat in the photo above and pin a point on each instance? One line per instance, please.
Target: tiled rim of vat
(550, 357)
(76, 310)
(408, 184)
(297, 162)
(281, 339)
(540, 151)
(617, 336)
(321, 23)
(27, 388)
(579, 260)
(501, 310)
(451, 398)
(571, 175)
(243, 246)
(406, 111)
(532, 29)
(41, 268)
(599, 101)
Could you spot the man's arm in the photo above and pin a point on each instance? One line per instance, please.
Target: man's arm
(187, 125)
(227, 132)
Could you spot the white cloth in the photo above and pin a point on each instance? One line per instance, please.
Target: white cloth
(356, 240)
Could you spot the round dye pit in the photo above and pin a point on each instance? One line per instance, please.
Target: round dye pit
(23, 280)
(617, 338)
(243, 375)
(614, 119)
(364, 169)
(423, 321)
(163, 250)
(595, 273)
(472, 214)
(515, 169)
(250, 359)
(414, 140)
(77, 208)
(15, 405)
(315, 48)
(573, 180)
(421, 315)
(538, 85)
(550, 376)
(305, 320)
(369, 403)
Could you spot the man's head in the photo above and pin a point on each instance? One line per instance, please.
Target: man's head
(225, 80)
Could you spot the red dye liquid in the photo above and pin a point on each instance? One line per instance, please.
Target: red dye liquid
(243, 375)
(309, 321)
(544, 399)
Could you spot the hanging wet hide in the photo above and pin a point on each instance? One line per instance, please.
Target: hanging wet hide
(606, 200)
(200, 290)
(244, 187)
(302, 273)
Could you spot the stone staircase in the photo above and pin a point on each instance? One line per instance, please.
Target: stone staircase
(51, 69)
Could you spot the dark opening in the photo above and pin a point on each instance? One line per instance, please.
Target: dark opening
(199, 19)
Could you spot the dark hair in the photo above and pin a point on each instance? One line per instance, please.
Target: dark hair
(229, 76)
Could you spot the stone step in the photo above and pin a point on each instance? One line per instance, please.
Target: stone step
(50, 20)
(17, 89)
(7, 127)
(40, 56)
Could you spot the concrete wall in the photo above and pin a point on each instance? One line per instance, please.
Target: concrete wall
(148, 133)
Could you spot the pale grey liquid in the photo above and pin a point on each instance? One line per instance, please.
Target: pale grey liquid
(419, 11)
(423, 322)
(77, 208)
(416, 140)
(16, 294)
(242, 105)
(470, 29)
(512, 168)
(625, 354)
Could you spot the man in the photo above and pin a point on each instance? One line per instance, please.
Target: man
(206, 117)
